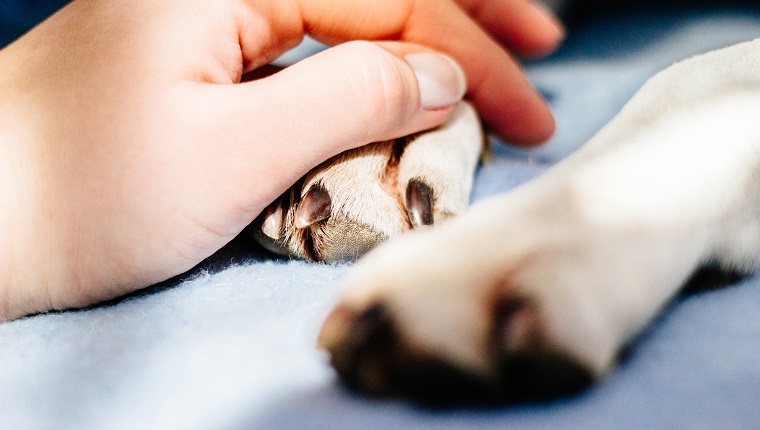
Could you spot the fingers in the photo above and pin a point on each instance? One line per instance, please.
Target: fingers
(497, 85)
(526, 27)
(344, 97)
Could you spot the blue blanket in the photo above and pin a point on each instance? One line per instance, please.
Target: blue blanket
(231, 345)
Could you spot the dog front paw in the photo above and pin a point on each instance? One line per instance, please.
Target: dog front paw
(350, 203)
(510, 308)
(373, 353)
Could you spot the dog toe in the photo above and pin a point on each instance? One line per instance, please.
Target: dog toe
(370, 354)
(529, 366)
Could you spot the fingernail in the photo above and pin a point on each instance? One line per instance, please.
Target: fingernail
(548, 15)
(440, 79)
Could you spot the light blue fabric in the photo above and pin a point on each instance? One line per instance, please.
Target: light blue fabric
(234, 348)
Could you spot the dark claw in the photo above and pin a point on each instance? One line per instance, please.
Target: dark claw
(419, 203)
(363, 352)
(541, 375)
(266, 229)
(315, 206)
(530, 368)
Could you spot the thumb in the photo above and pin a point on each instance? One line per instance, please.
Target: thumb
(341, 98)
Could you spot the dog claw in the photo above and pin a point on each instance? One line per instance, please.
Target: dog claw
(359, 344)
(272, 223)
(419, 203)
(530, 368)
(315, 206)
(268, 226)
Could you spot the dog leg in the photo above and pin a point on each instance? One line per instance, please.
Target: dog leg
(532, 294)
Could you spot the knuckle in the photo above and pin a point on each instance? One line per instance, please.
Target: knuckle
(384, 83)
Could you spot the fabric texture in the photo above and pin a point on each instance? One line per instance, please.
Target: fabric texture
(231, 345)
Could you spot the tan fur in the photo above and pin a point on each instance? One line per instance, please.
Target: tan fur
(367, 187)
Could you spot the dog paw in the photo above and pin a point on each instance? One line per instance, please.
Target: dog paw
(359, 198)
(372, 351)
(528, 305)
(532, 294)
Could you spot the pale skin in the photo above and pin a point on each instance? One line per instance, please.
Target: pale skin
(130, 151)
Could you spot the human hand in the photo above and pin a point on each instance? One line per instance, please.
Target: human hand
(129, 151)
